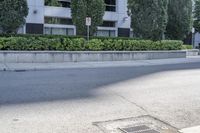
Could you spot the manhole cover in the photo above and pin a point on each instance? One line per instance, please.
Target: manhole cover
(138, 129)
(142, 124)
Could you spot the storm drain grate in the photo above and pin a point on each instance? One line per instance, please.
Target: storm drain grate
(140, 124)
(139, 129)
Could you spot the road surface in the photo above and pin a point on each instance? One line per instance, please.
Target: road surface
(70, 100)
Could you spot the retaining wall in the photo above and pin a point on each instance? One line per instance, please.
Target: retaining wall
(192, 52)
(84, 56)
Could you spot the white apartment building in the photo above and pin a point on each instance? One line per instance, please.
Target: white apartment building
(197, 40)
(43, 19)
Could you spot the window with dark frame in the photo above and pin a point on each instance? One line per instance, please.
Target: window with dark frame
(58, 31)
(65, 4)
(110, 5)
(56, 20)
(60, 3)
(108, 24)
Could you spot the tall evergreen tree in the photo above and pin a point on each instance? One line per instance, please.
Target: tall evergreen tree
(197, 15)
(180, 19)
(12, 15)
(148, 18)
(87, 8)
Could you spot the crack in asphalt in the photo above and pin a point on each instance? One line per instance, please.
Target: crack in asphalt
(133, 103)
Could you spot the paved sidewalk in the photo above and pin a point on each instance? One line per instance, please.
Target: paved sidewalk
(191, 130)
(49, 66)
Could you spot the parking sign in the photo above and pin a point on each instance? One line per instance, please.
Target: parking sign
(88, 21)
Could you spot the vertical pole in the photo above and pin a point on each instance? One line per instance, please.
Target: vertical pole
(193, 38)
(88, 33)
(193, 41)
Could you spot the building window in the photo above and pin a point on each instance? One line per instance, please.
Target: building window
(106, 33)
(110, 5)
(108, 24)
(51, 3)
(54, 20)
(66, 4)
(58, 31)
(59, 3)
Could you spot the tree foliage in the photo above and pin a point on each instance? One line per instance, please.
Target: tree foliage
(12, 15)
(148, 18)
(180, 19)
(87, 8)
(197, 15)
(64, 43)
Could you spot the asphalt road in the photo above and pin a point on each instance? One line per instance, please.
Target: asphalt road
(70, 100)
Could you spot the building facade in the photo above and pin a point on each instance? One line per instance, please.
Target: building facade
(44, 19)
(197, 40)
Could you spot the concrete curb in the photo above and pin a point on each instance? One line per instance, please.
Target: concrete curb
(73, 65)
(84, 56)
(192, 52)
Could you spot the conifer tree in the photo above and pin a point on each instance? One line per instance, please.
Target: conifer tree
(87, 8)
(179, 19)
(197, 15)
(148, 18)
(12, 15)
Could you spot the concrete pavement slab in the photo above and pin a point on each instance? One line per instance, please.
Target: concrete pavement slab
(191, 130)
(169, 95)
(65, 116)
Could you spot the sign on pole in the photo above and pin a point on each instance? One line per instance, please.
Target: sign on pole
(88, 22)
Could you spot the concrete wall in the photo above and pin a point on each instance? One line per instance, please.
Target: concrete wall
(53, 57)
(123, 20)
(197, 39)
(192, 52)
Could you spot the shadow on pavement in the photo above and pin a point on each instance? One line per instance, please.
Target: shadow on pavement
(70, 84)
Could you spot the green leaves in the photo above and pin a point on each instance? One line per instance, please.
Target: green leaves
(80, 44)
(152, 19)
(148, 18)
(12, 15)
(87, 8)
(95, 45)
(197, 15)
(179, 19)
(185, 47)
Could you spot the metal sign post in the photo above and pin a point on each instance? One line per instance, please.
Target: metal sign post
(88, 23)
(193, 38)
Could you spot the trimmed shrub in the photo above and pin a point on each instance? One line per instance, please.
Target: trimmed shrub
(167, 45)
(64, 43)
(185, 46)
(95, 45)
(78, 44)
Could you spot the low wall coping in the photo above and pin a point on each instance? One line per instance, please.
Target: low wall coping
(85, 56)
(89, 52)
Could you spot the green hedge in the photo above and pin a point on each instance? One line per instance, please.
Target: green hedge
(63, 43)
(185, 47)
